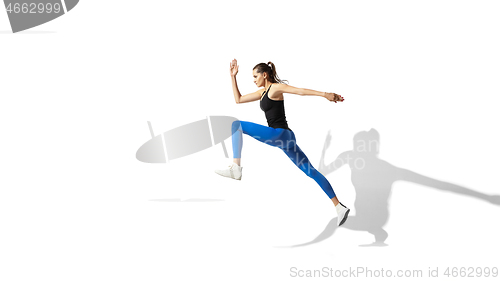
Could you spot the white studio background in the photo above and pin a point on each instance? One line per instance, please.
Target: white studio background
(77, 93)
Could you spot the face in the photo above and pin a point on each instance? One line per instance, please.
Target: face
(259, 78)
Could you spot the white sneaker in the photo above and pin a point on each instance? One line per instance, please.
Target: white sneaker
(342, 212)
(233, 171)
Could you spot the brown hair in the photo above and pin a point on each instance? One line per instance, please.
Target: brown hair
(270, 69)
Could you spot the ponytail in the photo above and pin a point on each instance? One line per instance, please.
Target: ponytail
(270, 69)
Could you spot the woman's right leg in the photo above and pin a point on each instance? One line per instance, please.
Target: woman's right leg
(262, 133)
(259, 132)
(237, 140)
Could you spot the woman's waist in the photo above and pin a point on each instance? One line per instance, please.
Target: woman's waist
(280, 126)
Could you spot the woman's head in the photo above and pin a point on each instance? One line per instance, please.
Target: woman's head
(265, 71)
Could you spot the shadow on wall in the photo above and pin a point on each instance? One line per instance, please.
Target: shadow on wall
(372, 179)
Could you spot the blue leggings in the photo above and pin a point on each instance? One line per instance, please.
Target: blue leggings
(285, 140)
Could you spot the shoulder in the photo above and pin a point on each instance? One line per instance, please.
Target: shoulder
(280, 87)
(284, 88)
(276, 91)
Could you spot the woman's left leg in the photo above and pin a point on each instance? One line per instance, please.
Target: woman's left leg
(299, 158)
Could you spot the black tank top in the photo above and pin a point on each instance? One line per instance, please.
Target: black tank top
(274, 110)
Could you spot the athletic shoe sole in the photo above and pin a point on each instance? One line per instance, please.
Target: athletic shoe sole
(345, 217)
(231, 175)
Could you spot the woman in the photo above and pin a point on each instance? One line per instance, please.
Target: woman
(277, 133)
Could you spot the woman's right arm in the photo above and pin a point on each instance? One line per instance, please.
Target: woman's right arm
(238, 98)
(236, 92)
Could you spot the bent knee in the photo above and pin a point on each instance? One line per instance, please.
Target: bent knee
(235, 126)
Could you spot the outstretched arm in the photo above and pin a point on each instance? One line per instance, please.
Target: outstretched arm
(283, 88)
(408, 175)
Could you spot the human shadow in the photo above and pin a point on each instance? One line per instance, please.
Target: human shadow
(372, 179)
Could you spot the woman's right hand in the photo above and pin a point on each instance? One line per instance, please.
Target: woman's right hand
(233, 68)
(334, 97)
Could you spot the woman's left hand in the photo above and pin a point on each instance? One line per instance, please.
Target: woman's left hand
(334, 97)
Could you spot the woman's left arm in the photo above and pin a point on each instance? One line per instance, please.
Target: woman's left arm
(283, 88)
